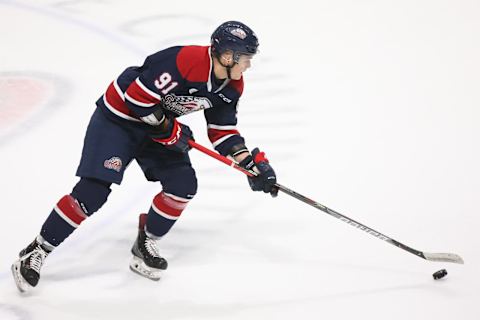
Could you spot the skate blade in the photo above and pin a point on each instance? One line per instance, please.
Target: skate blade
(22, 284)
(138, 266)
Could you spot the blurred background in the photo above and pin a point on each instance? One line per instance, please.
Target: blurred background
(368, 107)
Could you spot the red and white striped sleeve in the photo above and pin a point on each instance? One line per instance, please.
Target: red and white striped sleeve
(139, 97)
(218, 133)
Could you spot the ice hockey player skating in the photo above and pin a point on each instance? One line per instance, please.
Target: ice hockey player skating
(136, 119)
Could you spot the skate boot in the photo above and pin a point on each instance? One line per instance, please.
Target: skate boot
(146, 259)
(26, 270)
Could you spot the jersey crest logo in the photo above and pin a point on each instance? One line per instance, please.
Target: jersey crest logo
(182, 105)
(114, 163)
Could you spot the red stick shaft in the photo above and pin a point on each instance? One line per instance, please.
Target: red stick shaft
(221, 158)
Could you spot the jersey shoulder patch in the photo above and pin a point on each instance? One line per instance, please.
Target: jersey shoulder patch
(193, 63)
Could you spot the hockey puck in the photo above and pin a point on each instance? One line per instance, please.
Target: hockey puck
(440, 274)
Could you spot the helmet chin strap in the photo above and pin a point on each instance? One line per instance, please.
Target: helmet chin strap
(229, 69)
(229, 75)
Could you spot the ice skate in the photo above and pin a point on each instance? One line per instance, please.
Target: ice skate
(146, 260)
(26, 270)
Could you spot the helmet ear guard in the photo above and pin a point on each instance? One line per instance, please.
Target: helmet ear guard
(229, 59)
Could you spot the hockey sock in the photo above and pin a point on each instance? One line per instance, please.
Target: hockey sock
(164, 212)
(62, 221)
(86, 198)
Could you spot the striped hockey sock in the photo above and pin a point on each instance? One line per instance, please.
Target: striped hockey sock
(62, 221)
(164, 212)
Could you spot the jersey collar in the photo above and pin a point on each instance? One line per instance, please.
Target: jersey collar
(210, 75)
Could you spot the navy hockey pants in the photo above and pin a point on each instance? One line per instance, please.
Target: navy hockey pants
(111, 145)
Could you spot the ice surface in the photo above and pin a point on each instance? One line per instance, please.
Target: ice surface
(368, 107)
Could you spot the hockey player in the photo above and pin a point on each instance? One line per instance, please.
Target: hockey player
(136, 119)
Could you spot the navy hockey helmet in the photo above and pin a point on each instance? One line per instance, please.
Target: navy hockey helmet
(236, 37)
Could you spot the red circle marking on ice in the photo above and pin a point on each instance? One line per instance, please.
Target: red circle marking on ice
(20, 97)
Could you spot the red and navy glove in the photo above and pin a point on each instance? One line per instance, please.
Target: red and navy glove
(176, 136)
(266, 179)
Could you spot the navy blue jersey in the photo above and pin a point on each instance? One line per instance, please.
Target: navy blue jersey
(180, 80)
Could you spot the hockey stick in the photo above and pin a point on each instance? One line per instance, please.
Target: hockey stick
(441, 257)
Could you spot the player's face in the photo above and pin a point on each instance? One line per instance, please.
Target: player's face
(244, 62)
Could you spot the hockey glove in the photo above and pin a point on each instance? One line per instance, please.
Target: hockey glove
(266, 179)
(175, 137)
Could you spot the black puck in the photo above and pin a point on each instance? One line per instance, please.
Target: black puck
(440, 274)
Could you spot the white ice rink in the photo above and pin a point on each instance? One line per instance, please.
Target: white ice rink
(369, 107)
